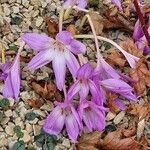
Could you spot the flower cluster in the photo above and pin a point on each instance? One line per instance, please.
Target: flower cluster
(83, 107)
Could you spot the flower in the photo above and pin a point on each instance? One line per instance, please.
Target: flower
(58, 51)
(105, 71)
(84, 84)
(79, 3)
(11, 75)
(92, 115)
(119, 86)
(117, 3)
(63, 114)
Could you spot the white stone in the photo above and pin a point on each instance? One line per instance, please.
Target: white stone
(6, 9)
(26, 138)
(15, 9)
(119, 117)
(66, 143)
(36, 129)
(35, 13)
(8, 113)
(110, 116)
(9, 130)
(39, 21)
(29, 128)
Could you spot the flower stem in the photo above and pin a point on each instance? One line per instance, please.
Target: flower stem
(3, 52)
(82, 22)
(61, 15)
(142, 21)
(81, 9)
(95, 38)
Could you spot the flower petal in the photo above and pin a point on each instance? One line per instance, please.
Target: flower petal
(77, 47)
(59, 67)
(72, 63)
(54, 122)
(72, 127)
(85, 71)
(41, 59)
(82, 3)
(117, 3)
(84, 91)
(37, 42)
(74, 89)
(67, 4)
(64, 37)
(120, 104)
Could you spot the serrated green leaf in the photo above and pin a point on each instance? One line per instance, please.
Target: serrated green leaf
(20, 145)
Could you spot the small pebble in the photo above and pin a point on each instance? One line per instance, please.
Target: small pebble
(39, 21)
(119, 117)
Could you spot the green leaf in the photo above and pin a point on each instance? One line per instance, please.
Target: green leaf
(20, 134)
(16, 20)
(1, 116)
(17, 129)
(4, 103)
(20, 145)
(30, 116)
(13, 47)
(47, 142)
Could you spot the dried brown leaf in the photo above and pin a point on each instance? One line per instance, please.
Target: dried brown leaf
(139, 110)
(141, 74)
(48, 91)
(34, 103)
(98, 22)
(52, 26)
(71, 28)
(89, 141)
(115, 141)
(129, 132)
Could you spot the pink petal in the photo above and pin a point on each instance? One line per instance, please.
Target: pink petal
(64, 37)
(37, 42)
(77, 47)
(84, 91)
(74, 89)
(72, 127)
(41, 59)
(82, 3)
(85, 71)
(120, 104)
(72, 63)
(59, 67)
(68, 3)
(54, 122)
(117, 3)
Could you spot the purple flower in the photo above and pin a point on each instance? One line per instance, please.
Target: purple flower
(79, 3)
(63, 114)
(92, 115)
(117, 3)
(120, 87)
(58, 51)
(84, 84)
(105, 71)
(11, 75)
(138, 31)
(120, 104)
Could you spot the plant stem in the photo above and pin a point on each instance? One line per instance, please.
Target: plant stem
(3, 52)
(142, 21)
(67, 13)
(127, 55)
(61, 15)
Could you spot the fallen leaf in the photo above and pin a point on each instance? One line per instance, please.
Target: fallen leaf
(89, 141)
(97, 22)
(47, 91)
(141, 111)
(34, 103)
(71, 28)
(129, 132)
(141, 74)
(52, 26)
(116, 141)
(115, 58)
(110, 102)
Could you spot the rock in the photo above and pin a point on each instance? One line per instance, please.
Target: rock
(66, 143)
(47, 107)
(25, 95)
(39, 21)
(5, 120)
(10, 37)
(15, 9)
(26, 138)
(9, 129)
(36, 129)
(119, 117)
(1, 129)
(35, 13)
(11, 144)
(40, 113)
(29, 128)
(8, 113)
(6, 9)
(3, 139)
(110, 116)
